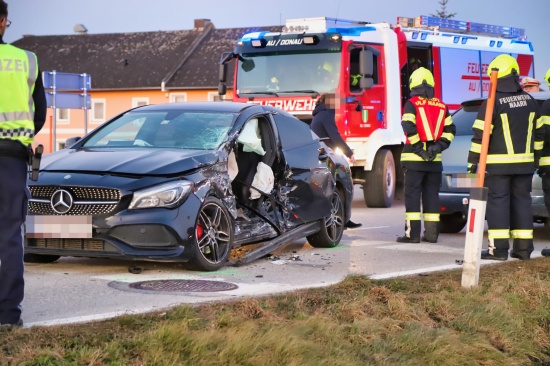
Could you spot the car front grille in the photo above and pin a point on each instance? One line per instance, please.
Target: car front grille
(87, 200)
(88, 245)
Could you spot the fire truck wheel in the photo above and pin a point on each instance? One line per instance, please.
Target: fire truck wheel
(379, 187)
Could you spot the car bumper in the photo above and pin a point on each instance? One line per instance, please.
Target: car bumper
(147, 234)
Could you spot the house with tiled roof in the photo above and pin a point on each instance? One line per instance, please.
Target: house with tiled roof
(132, 69)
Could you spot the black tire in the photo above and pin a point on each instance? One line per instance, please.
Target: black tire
(213, 239)
(452, 223)
(379, 187)
(40, 258)
(333, 226)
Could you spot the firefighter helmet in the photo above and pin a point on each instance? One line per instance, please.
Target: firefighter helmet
(547, 77)
(421, 76)
(505, 64)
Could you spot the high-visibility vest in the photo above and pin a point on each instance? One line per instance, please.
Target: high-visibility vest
(18, 73)
(430, 118)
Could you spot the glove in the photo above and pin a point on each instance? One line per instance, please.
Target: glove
(472, 168)
(425, 155)
(434, 150)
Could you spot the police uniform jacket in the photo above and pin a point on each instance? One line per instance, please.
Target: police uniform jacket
(544, 123)
(513, 130)
(426, 121)
(10, 146)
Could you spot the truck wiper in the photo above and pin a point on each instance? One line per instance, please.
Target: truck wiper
(307, 91)
(259, 93)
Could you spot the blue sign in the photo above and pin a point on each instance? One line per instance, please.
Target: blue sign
(66, 81)
(69, 100)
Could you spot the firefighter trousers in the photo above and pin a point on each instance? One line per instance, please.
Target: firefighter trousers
(421, 186)
(13, 209)
(509, 214)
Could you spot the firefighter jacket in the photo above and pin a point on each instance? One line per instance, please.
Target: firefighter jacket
(514, 128)
(544, 123)
(426, 122)
(18, 75)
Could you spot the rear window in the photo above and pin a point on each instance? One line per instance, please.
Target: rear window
(464, 119)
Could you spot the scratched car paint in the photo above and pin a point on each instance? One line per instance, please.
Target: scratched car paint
(188, 182)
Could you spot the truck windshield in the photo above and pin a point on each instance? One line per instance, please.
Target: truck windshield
(290, 73)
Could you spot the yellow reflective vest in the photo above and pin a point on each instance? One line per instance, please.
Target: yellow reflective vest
(18, 74)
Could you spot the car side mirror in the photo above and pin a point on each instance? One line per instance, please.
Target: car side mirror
(71, 141)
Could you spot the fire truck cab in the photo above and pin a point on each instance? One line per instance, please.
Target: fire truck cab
(368, 67)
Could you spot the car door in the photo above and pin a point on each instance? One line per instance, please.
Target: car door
(306, 184)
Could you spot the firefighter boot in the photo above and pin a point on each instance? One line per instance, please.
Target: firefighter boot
(522, 249)
(498, 250)
(412, 232)
(431, 231)
(545, 252)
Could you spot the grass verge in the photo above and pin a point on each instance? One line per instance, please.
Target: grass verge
(422, 320)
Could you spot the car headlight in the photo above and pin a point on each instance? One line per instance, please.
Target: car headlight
(166, 195)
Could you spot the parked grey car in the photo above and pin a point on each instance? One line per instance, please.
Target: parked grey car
(454, 200)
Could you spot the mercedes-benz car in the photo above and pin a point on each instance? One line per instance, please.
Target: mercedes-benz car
(454, 195)
(188, 182)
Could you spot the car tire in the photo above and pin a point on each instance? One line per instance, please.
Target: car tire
(332, 227)
(213, 239)
(452, 223)
(40, 258)
(379, 187)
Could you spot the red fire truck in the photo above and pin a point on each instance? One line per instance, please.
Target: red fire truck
(368, 66)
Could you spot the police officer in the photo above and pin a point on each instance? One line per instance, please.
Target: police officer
(22, 115)
(544, 164)
(510, 162)
(429, 130)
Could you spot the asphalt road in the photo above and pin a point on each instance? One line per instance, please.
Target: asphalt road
(74, 290)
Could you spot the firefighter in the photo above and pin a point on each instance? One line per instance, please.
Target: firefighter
(514, 148)
(429, 130)
(22, 115)
(544, 164)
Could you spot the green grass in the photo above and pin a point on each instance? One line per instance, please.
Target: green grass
(421, 320)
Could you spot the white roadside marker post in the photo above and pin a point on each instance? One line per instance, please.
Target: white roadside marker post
(478, 199)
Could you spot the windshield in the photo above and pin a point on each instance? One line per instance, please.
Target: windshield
(291, 73)
(164, 129)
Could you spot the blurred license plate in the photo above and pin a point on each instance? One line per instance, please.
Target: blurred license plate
(461, 180)
(46, 226)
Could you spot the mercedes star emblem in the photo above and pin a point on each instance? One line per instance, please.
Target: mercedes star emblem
(61, 201)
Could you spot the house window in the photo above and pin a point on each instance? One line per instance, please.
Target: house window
(138, 102)
(98, 110)
(213, 97)
(178, 97)
(62, 116)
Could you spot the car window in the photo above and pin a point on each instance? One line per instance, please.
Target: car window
(464, 119)
(164, 129)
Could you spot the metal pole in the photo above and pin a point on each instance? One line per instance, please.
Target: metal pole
(478, 199)
(85, 106)
(54, 144)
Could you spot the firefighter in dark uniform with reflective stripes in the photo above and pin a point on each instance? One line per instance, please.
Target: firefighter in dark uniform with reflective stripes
(544, 164)
(22, 115)
(514, 147)
(429, 130)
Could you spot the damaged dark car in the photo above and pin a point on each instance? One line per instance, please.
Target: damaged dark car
(189, 182)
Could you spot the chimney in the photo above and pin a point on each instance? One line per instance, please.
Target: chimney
(80, 28)
(201, 23)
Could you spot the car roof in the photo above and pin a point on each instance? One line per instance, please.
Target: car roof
(542, 95)
(229, 107)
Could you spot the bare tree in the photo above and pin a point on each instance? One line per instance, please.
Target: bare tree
(442, 13)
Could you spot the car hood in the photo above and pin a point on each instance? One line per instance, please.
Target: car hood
(128, 161)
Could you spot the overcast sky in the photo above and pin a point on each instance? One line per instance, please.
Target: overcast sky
(55, 17)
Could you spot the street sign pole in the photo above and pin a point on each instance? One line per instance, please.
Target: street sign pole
(62, 96)
(478, 199)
